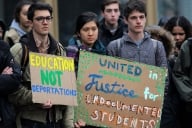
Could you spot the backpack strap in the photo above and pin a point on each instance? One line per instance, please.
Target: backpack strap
(155, 45)
(25, 57)
(119, 44)
(60, 50)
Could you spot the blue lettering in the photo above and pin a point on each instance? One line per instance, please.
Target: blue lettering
(108, 88)
(129, 69)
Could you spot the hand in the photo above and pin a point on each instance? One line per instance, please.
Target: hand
(7, 70)
(47, 104)
(79, 123)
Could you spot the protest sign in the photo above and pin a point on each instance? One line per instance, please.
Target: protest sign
(52, 77)
(115, 92)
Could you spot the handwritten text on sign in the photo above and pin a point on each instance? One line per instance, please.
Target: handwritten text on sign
(118, 93)
(53, 77)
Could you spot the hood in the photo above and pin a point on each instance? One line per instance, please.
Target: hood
(15, 25)
(162, 35)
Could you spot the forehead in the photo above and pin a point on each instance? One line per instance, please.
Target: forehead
(177, 29)
(112, 6)
(136, 13)
(89, 24)
(41, 13)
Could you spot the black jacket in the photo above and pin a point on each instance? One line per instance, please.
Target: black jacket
(8, 83)
(105, 36)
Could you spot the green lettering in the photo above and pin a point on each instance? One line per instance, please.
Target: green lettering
(44, 77)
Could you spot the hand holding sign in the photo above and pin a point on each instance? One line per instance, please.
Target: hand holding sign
(47, 104)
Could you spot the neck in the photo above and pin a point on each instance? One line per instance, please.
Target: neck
(42, 38)
(26, 29)
(111, 26)
(136, 36)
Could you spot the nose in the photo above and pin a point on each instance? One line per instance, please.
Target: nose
(90, 32)
(177, 37)
(45, 21)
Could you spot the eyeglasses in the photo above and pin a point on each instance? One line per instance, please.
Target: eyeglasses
(180, 34)
(42, 19)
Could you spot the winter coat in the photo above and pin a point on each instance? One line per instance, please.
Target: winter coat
(22, 98)
(14, 33)
(8, 84)
(182, 74)
(149, 51)
(105, 36)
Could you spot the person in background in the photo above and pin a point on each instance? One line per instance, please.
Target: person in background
(86, 38)
(171, 106)
(163, 21)
(182, 73)
(181, 29)
(20, 24)
(2, 29)
(136, 45)
(39, 40)
(10, 78)
(111, 26)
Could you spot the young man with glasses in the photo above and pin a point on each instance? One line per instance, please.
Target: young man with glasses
(34, 115)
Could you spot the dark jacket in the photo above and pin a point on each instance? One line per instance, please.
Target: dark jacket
(182, 74)
(105, 36)
(8, 84)
(182, 78)
(22, 98)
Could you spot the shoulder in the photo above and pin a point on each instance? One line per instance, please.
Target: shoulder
(186, 46)
(115, 42)
(74, 41)
(187, 43)
(16, 48)
(4, 46)
(12, 33)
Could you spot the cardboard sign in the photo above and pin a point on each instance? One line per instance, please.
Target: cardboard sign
(52, 77)
(118, 93)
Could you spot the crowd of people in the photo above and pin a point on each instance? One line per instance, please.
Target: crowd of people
(119, 35)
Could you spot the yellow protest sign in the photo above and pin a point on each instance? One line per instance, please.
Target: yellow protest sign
(52, 77)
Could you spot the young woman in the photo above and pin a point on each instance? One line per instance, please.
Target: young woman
(181, 29)
(86, 36)
(20, 24)
(174, 114)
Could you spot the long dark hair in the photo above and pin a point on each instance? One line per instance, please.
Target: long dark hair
(179, 21)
